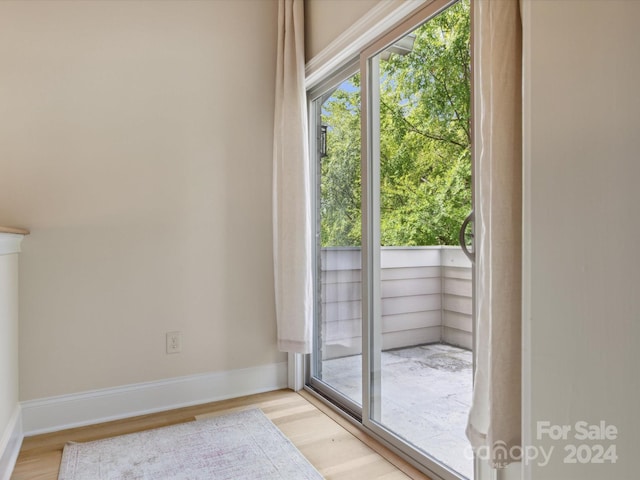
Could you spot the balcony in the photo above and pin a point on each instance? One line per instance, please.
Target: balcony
(426, 337)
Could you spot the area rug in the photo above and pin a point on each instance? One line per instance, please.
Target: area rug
(242, 445)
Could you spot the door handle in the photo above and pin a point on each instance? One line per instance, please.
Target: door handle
(471, 255)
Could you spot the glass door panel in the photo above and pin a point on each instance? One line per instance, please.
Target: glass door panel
(337, 365)
(393, 290)
(421, 282)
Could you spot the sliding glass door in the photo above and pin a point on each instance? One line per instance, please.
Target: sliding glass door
(337, 359)
(419, 181)
(393, 335)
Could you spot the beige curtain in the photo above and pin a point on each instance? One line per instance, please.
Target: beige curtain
(291, 186)
(495, 417)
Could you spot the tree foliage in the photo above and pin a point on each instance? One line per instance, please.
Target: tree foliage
(340, 170)
(425, 155)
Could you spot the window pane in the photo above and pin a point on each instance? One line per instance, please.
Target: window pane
(339, 309)
(421, 344)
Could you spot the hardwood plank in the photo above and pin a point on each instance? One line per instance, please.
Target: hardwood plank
(401, 465)
(337, 449)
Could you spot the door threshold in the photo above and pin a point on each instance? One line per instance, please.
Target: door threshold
(398, 459)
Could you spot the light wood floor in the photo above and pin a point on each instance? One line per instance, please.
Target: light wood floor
(336, 448)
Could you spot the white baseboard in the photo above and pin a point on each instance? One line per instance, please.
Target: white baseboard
(87, 408)
(10, 443)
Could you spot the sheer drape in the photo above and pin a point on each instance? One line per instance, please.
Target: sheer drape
(495, 417)
(291, 186)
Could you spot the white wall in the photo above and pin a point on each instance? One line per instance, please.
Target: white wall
(8, 343)
(135, 143)
(582, 302)
(325, 20)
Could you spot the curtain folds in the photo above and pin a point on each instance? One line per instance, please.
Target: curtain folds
(292, 240)
(494, 425)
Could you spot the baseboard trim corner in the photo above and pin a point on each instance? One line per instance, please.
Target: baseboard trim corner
(10, 443)
(87, 408)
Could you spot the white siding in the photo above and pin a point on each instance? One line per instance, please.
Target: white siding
(426, 298)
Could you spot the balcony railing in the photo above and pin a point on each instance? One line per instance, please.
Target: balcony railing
(425, 292)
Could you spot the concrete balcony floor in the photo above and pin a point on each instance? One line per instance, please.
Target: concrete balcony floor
(426, 396)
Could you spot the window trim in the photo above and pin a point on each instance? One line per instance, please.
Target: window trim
(353, 41)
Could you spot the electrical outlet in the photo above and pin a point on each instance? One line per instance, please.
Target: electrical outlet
(174, 342)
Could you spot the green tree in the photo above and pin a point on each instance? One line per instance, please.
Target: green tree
(340, 169)
(425, 159)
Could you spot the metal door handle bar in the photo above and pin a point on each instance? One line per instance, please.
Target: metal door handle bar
(463, 230)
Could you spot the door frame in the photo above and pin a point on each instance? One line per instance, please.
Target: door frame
(377, 38)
